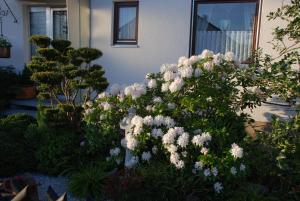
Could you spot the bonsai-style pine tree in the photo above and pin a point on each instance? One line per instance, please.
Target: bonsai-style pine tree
(65, 76)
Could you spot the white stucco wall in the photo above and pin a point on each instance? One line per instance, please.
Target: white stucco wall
(79, 22)
(163, 36)
(15, 33)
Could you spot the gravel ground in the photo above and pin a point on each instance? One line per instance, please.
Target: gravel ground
(59, 184)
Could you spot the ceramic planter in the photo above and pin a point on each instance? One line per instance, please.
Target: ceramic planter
(4, 52)
(26, 92)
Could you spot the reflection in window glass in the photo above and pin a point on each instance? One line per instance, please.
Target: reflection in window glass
(37, 26)
(60, 25)
(223, 27)
(127, 23)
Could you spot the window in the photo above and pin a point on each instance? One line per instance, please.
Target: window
(125, 23)
(60, 25)
(225, 25)
(48, 21)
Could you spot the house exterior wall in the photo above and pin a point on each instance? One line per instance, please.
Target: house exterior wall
(15, 34)
(163, 36)
(79, 22)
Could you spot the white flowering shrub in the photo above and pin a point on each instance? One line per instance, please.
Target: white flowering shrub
(186, 114)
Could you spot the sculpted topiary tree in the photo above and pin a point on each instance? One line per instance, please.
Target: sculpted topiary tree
(65, 76)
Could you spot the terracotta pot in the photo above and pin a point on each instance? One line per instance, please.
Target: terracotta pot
(26, 92)
(4, 52)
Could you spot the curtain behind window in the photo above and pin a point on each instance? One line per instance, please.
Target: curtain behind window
(127, 23)
(37, 26)
(60, 25)
(223, 27)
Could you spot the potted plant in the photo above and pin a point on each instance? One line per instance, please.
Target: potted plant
(5, 46)
(27, 88)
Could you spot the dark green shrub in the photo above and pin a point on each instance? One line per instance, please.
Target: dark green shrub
(8, 81)
(274, 158)
(89, 181)
(56, 150)
(66, 77)
(15, 152)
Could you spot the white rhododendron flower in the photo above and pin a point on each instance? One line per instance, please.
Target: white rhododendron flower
(198, 165)
(168, 67)
(146, 156)
(159, 120)
(208, 65)
(154, 150)
(242, 167)
(214, 171)
(132, 162)
(176, 85)
(169, 122)
(115, 89)
(106, 106)
(157, 100)
(229, 56)
(207, 54)
(233, 170)
(172, 148)
(165, 87)
(130, 142)
(182, 61)
(218, 58)
(135, 90)
(115, 152)
(149, 108)
(179, 164)
(152, 84)
(171, 106)
(200, 140)
(197, 72)
(169, 76)
(103, 95)
(236, 151)
(183, 140)
(206, 172)
(218, 187)
(148, 120)
(204, 151)
(157, 133)
(137, 121)
(186, 72)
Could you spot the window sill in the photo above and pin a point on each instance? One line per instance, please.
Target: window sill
(124, 46)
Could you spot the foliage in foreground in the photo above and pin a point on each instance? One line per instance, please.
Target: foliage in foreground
(15, 152)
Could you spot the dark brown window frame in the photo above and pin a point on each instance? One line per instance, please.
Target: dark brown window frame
(117, 6)
(255, 25)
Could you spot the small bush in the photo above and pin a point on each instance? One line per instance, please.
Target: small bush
(55, 150)
(89, 181)
(15, 152)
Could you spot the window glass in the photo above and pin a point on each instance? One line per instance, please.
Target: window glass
(223, 27)
(125, 27)
(127, 23)
(37, 26)
(60, 25)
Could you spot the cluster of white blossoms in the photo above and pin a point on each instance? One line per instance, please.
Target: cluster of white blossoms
(236, 151)
(137, 124)
(202, 139)
(135, 90)
(115, 152)
(163, 132)
(106, 106)
(218, 187)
